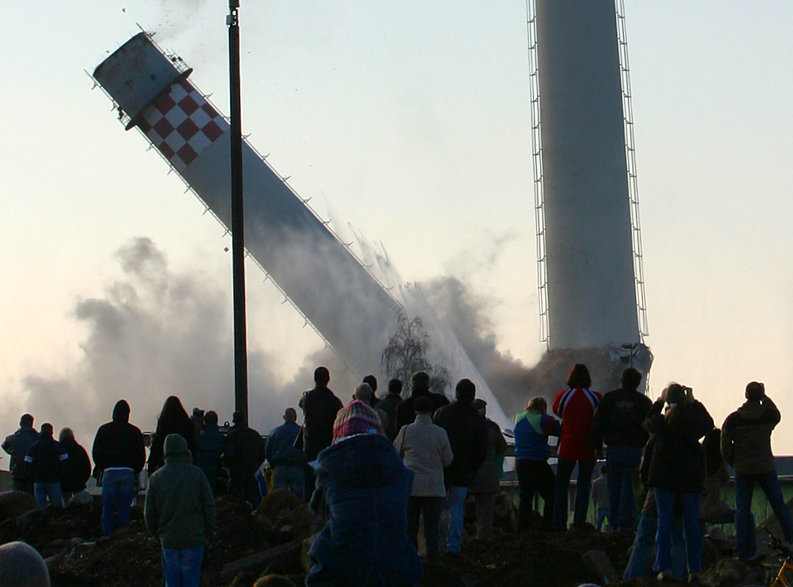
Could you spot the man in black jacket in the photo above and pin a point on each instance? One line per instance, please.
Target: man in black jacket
(389, 405)
(243, 454)
(618, 420)
(47, 461)
(419, 386)
(119, 454)
(320, 406)
(17, 445)
(467, 431)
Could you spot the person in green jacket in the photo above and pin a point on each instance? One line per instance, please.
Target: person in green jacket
(180, 513)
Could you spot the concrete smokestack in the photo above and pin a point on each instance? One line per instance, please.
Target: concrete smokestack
(344, 302)
(334, 291)
(590, 272)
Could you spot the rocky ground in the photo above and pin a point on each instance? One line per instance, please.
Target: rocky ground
(275, 538)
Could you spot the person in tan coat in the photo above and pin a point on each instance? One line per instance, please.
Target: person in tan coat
(425, 449)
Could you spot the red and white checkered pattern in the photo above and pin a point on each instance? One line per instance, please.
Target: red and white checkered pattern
(181, 124)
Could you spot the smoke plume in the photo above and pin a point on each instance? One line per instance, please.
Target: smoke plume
(511, 381)
(467, 315)
(156, 333)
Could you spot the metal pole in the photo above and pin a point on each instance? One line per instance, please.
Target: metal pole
(237, 215)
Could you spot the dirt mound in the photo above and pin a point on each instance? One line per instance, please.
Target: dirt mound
(535, 558)
(131, 557)
(15, 503)
(286, 516)
(128, 559)
(249, 544)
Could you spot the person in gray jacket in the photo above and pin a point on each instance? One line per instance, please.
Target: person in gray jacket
(487, 482)
(17, 445)
(425, 449)
(746, 446)
(180, 513)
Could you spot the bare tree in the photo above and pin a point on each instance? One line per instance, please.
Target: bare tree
(406, 353)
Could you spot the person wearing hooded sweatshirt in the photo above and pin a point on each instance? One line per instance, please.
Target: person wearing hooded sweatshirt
(366, 487)
(746, 446)
(180, 513)
(119, 455)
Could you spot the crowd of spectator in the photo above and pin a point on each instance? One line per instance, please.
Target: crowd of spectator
(376, 469)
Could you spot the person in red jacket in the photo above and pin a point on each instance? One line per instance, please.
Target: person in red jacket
(576, 407)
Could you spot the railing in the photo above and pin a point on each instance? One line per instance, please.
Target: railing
(630, 160)
(536, 155)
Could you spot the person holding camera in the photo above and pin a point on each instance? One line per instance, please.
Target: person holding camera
(677, 473)
(746, 446)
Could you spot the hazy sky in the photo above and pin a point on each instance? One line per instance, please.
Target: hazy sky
(409, 124)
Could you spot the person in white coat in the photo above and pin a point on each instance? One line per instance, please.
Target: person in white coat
(425, 449)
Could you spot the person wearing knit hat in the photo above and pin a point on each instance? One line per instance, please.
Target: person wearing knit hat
(356, 418)
(358, 475)
(365, 393)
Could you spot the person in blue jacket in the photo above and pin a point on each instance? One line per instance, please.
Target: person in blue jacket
(366, 487)
(286, 459)
(532, 428)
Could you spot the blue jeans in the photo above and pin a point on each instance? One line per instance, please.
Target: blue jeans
(41, 491)
(746, 544)
(643, 544)
(182, 566)
(600, 516)
(564, 468)
(290, 477)
(689, 503)
(622, 462)
(118, 489)
(455, 501)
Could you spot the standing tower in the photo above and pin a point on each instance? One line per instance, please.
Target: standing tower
(590, 251)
